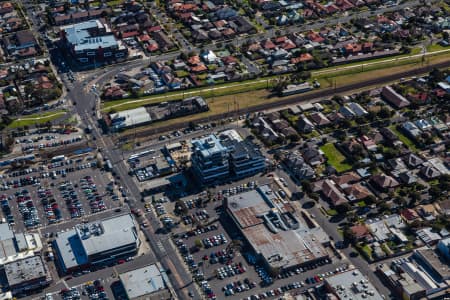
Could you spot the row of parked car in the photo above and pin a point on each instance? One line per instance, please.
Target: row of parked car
(221, 256)
(215, 240)
(27, 209)
(200, 215)
(71, 198)
(90, 191)
(206, 288)
(20, 182)
(238, 287)
(230, 270)
(28, 148)
(51, 207)
(275, 292)
(95, 290)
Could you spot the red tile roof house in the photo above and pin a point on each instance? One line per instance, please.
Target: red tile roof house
(345, 179)
(357, 192)
(315, 37)
(360, 232)
(144, 38)
(344, 4)
(288, 45)
(44, 83)
(419, 98)
(6, 7)
(352, 48)
(152, 46)
(409, 215)
(268, 44)
(331, 9)
(304, 57)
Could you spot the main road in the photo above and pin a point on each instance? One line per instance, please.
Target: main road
(162, 249)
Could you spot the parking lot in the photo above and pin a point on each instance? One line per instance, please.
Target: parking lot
(42, 195)
(223, 266)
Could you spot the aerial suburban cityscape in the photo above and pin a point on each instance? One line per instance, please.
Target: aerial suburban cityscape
(225, 149)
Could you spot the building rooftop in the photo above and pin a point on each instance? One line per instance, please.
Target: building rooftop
(74, 246)
(131, 117)
(353, 285)
(272, 229)
(80, 36)
(208, 145)
(430, 257)
(5, 232)
(25, 270)
(107, 234)
(144, 281)
(246, 207)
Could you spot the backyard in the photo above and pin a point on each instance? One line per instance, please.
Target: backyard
(335, 158)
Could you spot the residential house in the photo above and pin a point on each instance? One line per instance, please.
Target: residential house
(304, 125)
(429, 172)
(297, 166)
(332, 193)
(411, 129)
(409, 215)
(357, 192)
(444, 207)
(427, 211)
(428, 236)
(368, 143)
(389, 135)
(407, 177)
(312, 155)
(319, 119)
(412, 160)
(358, 110)
(361, 233)
(384, 182)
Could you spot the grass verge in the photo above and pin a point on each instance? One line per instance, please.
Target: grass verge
(220, 104)
(37, 119)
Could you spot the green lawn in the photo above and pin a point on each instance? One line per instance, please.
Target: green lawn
(436, 47)
(361, 203)
(37, 119)
(367, 251)
(405, 140)
(331, 212)
(335, 157)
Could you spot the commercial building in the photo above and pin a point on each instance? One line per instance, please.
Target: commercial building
(149, 282)
(402, 284)
(96, 243)
(26, 275)
(209, 158)
(215, 159)
(444, 248)
(245, 158)
(272, 230)
(130, 118)
(15, 246)
(351, 285)
(92, 42)
(437, 267)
